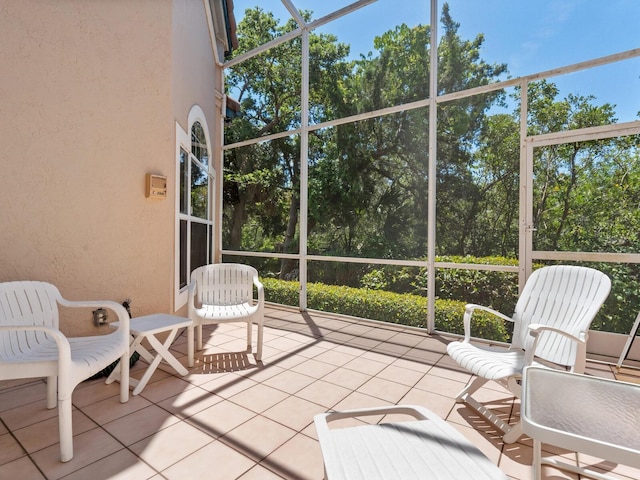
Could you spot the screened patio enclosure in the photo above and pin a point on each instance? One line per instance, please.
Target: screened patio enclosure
(361, 157)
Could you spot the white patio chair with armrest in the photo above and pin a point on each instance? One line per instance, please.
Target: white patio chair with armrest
(415, 445)
(224, 293)
(557, 304)
(585, 414)
(32, 345)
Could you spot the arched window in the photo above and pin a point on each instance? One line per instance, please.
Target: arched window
(195, 210)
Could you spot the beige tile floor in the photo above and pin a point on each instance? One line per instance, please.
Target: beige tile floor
(231, 418)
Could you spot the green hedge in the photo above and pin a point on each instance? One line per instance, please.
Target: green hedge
(398, 294)
(498, 290)
(405, 309)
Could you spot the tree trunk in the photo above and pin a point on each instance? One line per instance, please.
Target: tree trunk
(287, 265)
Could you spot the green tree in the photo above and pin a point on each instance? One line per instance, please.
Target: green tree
(368, 179)
(460, 125)
(564, 174)
(377, 177)
(262, 181)
(492, 220)
(569, 179)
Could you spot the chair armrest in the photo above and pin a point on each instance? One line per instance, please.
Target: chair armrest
(322, 420)
(260, 289)
(399, 448)
(468, 313)
(535, 329)
(191, 299)
(418, 412)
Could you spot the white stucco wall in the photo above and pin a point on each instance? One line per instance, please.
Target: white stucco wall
(196, 82)
(85, 112)
(195, 76)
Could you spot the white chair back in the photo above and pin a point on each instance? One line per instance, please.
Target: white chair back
(224, 283)
(564, 297)
(26, 304)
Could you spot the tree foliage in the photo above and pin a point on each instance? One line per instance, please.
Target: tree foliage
(368, 179)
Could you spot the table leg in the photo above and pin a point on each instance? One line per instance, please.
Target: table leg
(162, 352)
(537, 460)
(136, 346)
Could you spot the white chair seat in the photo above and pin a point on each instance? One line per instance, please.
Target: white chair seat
(88, 356)
(92, 353)
(492, 363)
(221, 313)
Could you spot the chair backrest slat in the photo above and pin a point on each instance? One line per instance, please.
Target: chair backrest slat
(26, 303)
(561, 296)
(224, 283)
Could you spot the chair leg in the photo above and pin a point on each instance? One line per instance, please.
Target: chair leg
(199, 337)
(259, 348)
(52, 392)
(537, 460)
(470, 389)
(249, 335)
(66, 429)
(124, 378)
(513, 434)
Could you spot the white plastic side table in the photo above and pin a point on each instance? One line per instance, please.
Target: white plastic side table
(147, 327)
(580, 413)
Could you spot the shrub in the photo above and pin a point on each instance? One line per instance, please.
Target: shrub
(498, 290)
(404, 309)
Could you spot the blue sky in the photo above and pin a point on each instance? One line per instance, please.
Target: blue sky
(529, 36)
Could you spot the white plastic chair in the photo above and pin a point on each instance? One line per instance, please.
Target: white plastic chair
(415, 444)
(223, 293)
(584, 414)
(551, 324)
(32, 345)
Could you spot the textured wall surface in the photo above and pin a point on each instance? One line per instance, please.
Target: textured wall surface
(196, 82)
(195, 75)
(86, 111)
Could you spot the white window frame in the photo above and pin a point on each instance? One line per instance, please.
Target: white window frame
(183, 142)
